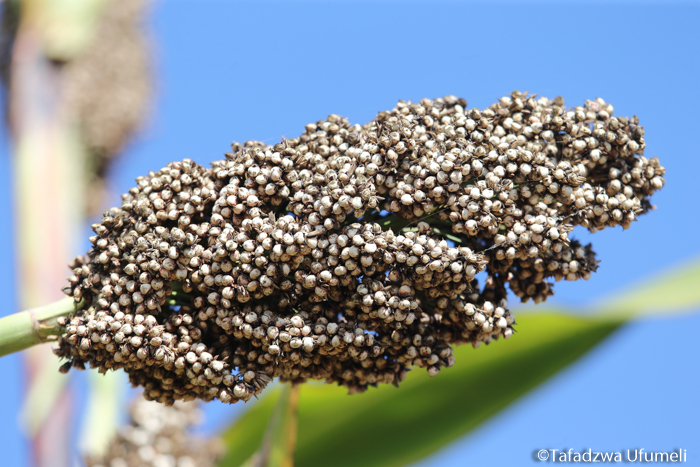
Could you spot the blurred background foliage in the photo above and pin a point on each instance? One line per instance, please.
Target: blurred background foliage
(79, 80)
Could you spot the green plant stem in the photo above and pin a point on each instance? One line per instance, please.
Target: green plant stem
(34, 326)
(279, 443)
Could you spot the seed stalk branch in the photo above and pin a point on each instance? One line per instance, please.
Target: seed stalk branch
(279, 443)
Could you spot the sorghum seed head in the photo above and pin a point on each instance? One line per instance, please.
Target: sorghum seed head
(326, 256)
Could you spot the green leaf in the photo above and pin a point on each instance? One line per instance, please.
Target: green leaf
(675, 291)
(387, 426)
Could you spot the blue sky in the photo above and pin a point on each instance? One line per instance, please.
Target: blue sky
(231, 71)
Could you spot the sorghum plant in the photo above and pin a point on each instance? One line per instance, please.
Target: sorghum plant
(349, 254)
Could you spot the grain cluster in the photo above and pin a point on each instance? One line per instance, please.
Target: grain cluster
(350, 254)
(159, 436)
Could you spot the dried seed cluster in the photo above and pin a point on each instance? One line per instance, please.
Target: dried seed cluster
(349, 254)
(108, 87)
(159, 436)
(105, 85)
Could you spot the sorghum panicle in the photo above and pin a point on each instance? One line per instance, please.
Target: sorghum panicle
(349, 254)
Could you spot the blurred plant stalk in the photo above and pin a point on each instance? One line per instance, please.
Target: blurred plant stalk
(53, 93)
(279, 443)
(48, 193)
